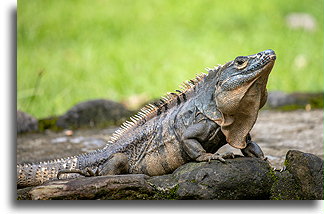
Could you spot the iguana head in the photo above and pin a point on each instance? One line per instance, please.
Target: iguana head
(241, 92)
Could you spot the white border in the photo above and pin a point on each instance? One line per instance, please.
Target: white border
(9, 204)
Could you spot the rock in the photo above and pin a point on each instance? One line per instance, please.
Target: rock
(279, 98)
(285, 187)
(239, 178)
(25, 122)
(101, 187)
(307, 169)
(292, 101)
(93, 113)
(23, 194)
(303, 178)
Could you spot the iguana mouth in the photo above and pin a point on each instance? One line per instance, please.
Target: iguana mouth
(262, 65)
(266, 60)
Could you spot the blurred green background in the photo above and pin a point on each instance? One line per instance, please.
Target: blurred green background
(74, 50)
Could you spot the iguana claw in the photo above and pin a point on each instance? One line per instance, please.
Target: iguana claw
(283, 168)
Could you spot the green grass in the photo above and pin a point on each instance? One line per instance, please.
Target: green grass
(79, 50)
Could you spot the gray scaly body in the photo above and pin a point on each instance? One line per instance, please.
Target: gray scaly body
(190, 125)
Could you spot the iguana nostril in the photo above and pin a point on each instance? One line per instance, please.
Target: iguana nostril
(269, 52)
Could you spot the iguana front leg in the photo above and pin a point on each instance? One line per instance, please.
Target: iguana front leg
(199, 133)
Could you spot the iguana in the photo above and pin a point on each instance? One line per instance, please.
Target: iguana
(208, 112)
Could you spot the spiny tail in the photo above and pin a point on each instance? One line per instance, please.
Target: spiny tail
(37, 173)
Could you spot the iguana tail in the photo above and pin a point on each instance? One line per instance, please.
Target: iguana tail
(33, 174)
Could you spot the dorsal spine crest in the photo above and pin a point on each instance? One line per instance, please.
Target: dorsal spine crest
(166, 102)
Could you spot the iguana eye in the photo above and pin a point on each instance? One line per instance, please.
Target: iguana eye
(241, 62)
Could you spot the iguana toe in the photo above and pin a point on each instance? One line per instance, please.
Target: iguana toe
(208, 157)
(228, 155)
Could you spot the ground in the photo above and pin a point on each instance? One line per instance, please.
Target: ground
(275, 131)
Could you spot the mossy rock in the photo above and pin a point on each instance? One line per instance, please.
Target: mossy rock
(239, 178)
(307, 170)
(285, 187)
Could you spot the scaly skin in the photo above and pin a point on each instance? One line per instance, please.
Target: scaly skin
(191, 125)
